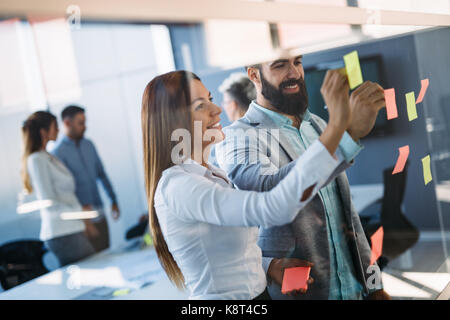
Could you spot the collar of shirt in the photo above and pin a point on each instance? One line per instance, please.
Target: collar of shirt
(193, 166)
(66, 139)
(278, 118)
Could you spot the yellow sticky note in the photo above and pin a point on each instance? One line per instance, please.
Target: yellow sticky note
(353, 69)
(411, 105)
(121, 292)
(148, 239)
(426, 169)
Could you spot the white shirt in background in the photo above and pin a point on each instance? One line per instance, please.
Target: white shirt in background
(51, 180)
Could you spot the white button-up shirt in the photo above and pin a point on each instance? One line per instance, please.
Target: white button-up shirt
(211, 228)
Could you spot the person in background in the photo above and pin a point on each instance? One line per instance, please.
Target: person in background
(238, 91)
(81, 158)
(205, 232)
(52, 181)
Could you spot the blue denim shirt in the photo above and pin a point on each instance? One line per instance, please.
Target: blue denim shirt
(82, 159)
(343, 284)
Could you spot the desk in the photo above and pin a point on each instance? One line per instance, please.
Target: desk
(130, 269)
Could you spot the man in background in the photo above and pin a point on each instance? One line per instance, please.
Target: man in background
(238, 91)
(81, 158)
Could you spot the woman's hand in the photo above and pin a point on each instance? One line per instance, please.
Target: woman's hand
(276, 271)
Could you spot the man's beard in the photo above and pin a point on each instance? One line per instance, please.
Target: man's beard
(294, 104)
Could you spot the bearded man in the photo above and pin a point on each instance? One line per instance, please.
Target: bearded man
(328, 231)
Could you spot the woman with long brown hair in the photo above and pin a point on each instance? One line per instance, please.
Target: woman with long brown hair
(204, 231)
(52, 182)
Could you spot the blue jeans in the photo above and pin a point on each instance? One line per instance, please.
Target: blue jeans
(71, 248)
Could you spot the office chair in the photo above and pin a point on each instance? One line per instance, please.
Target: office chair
(21, 261)
(399, 233)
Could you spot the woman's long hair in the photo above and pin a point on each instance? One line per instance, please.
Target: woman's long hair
(165, 108)
(32, 140)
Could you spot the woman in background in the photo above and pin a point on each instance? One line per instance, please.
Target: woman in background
(204, 231)
(51, 180)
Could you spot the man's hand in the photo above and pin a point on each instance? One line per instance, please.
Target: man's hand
(365, 102)
(334, 91)
(90, 231)
(379, 295)
(277, 266)
(115, 211)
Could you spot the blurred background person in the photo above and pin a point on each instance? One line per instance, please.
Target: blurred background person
(238, 91)
(52, 181)
(81, 158)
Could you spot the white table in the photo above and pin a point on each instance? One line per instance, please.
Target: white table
(122, 270)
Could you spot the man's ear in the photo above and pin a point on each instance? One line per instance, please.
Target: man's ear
(253, 74)
(66, 122)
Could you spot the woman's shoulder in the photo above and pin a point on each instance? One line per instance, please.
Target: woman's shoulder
(38, 156)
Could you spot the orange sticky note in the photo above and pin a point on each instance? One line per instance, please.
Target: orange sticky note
(295, 279)
(377, 245)
(426, 169)
(391, 106)
(423, 90)
(401, 161)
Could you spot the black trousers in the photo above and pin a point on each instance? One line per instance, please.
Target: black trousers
(263, 296)
(100, 242)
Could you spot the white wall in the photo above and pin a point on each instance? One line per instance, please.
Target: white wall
(115, 62)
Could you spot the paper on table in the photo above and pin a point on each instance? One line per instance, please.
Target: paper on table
(377, 245)
(401, 161)
(391, 106)
(423, 90)
(426, 169)
(411, 106)
(353, 69)
(295, 279)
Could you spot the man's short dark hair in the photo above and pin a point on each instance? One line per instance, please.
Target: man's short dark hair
(70, 111)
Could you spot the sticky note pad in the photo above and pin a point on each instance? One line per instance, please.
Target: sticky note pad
(426, 169)
(423, 90)
(353, 69)
(377, 245)
(121, 292)
(295, 279)
(411, 106)
(401, 161)
(391, 106)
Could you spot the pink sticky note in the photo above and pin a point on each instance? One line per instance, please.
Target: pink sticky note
(423, 90)
(391, 106)
(377, 245)
(295, 279)
(401, 161)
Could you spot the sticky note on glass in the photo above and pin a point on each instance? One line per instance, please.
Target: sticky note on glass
(377, 245)
(295, 279)
(411, 106)
(423, 90)
(391, 106)
(401, 161)
(353, 69)
(426, 169)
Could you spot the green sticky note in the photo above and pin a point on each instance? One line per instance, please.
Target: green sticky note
(121, 292)
(353, 69)
(426, 169)
(411, 105)
(148, 239)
